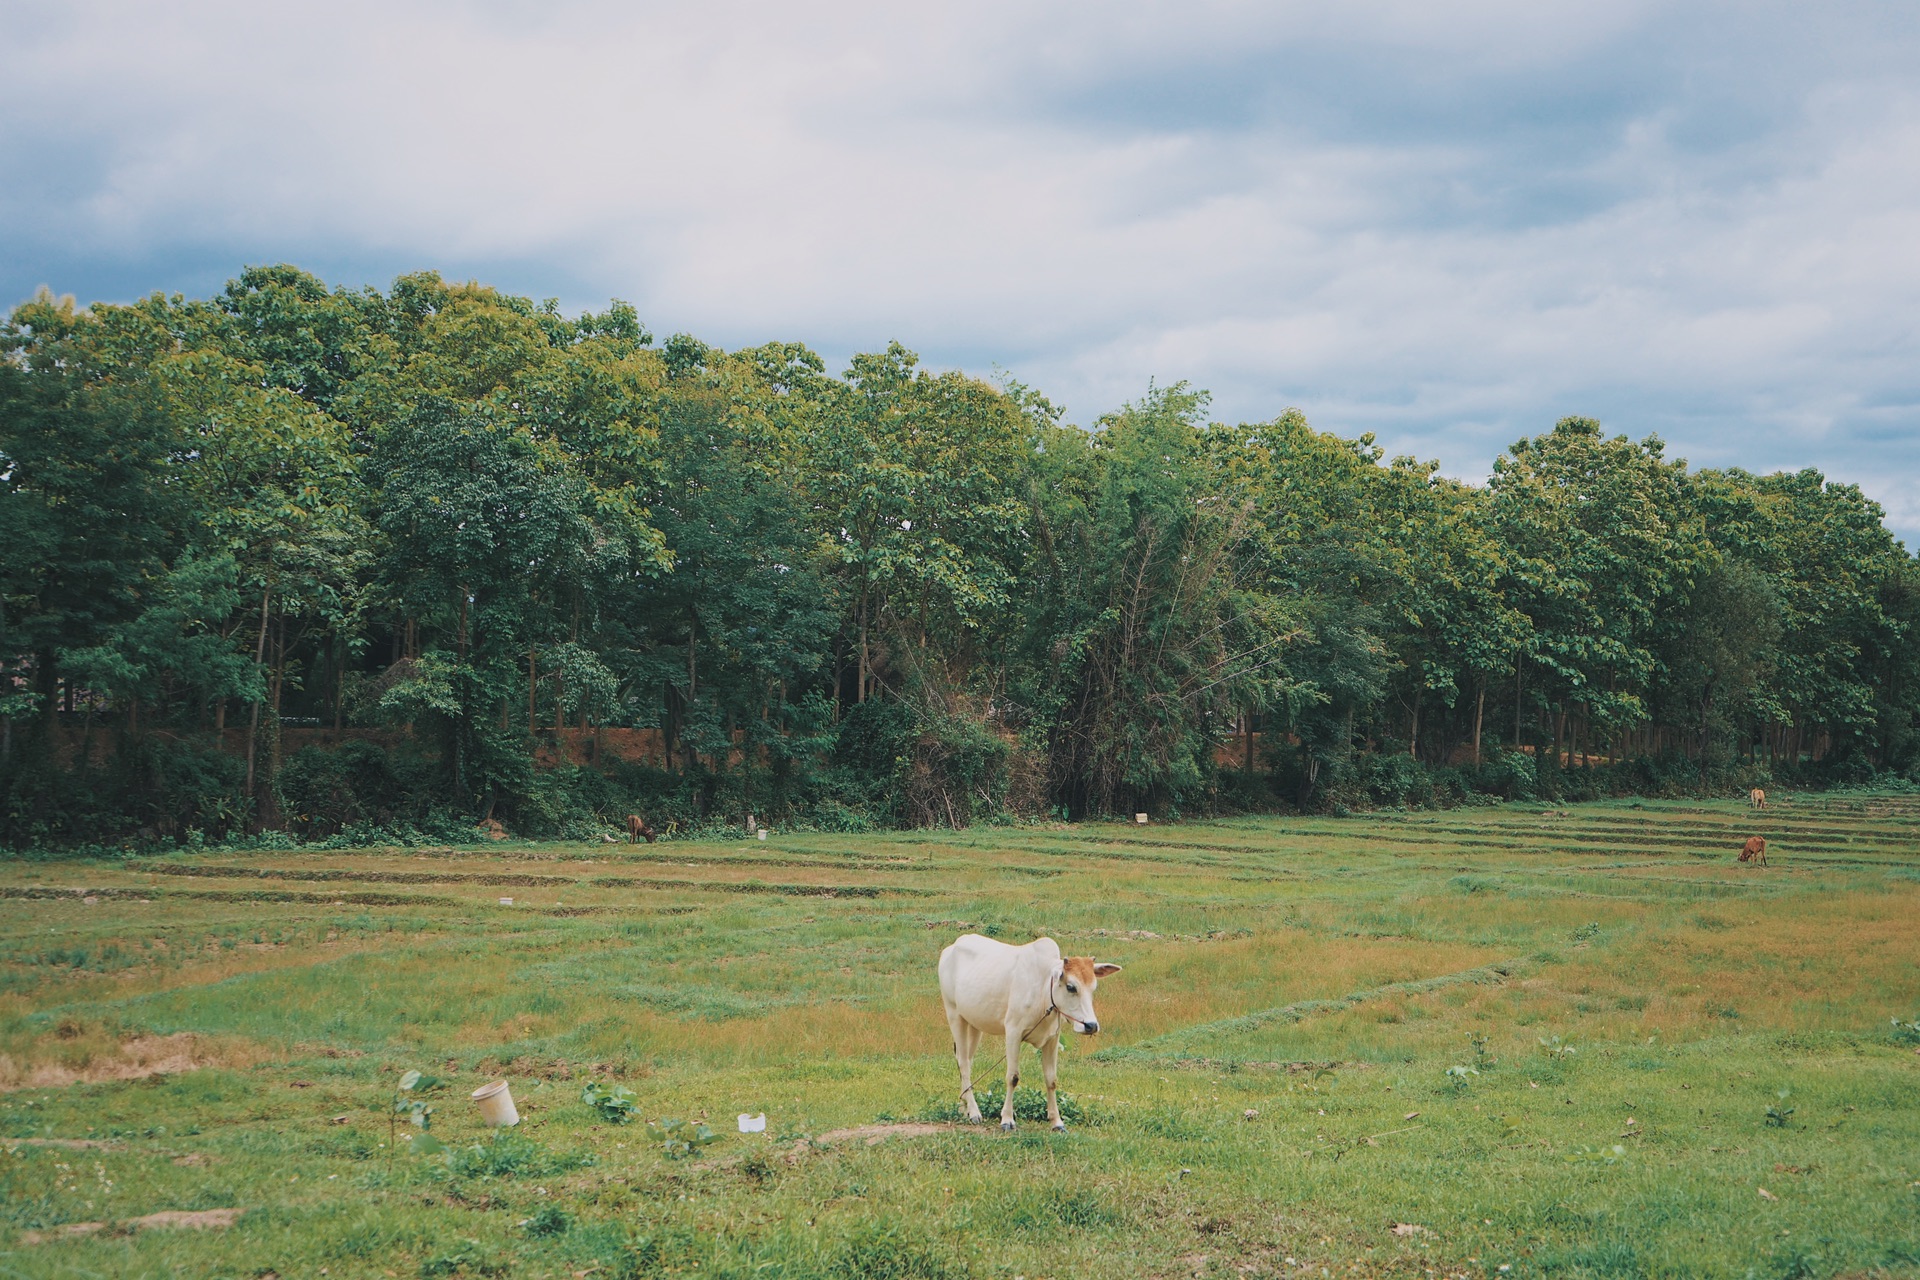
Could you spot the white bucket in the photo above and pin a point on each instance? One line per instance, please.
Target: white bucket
(496, 1105)
(753, 1124)
(1140, 818)
(763, 833)
(506, 902)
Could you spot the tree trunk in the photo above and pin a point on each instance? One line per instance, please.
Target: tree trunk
(1249, 743)
(1516, 704)
(1479, 713)
(692, 757)
(533, 691)
(1559, 733)
(860, 690)
(574, 636)
(839, 674)
(279, 686)
(259, 656)
(669, 719)
(48, 678)
(1413, 729)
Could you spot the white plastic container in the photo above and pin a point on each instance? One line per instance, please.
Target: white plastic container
(506, 902)
(753, 1124)
(1140, 818)
(496, 1105)
(763, 833)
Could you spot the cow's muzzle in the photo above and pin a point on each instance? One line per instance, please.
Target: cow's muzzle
(1089, 1028)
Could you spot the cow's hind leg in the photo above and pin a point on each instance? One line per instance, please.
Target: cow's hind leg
(1014, 1036)
(966, 1039)
(1050, 1074)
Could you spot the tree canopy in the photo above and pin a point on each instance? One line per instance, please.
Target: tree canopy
(306, 558)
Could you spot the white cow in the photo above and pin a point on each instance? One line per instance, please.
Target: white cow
(1024, 994)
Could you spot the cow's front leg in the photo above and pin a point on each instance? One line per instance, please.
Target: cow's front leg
(1050, 1074)
(965, 1040)
(1014, 1036)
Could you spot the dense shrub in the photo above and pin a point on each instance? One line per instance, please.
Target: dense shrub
(325, 790)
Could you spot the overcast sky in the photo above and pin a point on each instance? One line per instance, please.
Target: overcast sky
(1446, 224)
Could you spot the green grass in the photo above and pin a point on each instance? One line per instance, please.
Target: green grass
(1626, 1004)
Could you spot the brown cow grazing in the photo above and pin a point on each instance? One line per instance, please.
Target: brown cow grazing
(1754, 851)
(1756, 799)
(638, 827)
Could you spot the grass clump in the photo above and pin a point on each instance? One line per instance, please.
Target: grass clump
(1028, 1105)
(888, 1249)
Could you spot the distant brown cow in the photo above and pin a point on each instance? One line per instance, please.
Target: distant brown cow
(1757, 799)
(1754, 851)
(637, 827)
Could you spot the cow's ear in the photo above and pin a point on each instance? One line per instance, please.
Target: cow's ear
(1102, 969)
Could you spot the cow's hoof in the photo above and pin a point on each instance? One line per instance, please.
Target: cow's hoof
(1059, 1126)
(1006, 1126)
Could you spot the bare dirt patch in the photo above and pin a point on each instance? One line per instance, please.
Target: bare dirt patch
(167, 1219)
(872, 1134)
(137, 1058)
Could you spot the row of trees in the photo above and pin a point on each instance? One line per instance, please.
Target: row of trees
(444, 536)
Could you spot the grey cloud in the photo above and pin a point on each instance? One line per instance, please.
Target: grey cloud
(1446, 224)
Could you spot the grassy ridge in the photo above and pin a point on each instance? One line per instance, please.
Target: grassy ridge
(1548, 1042)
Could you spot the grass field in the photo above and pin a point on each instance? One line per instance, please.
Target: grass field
(1499, 1042)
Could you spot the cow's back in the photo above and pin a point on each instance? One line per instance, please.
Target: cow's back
(977, 975)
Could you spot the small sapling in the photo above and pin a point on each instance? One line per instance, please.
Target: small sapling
(680, 1139)
(409, 1100)
(614, 1102)
(1482, 1060)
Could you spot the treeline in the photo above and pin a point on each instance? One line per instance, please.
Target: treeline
(317, 560)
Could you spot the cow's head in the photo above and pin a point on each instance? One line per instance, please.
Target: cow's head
(1073, 984)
